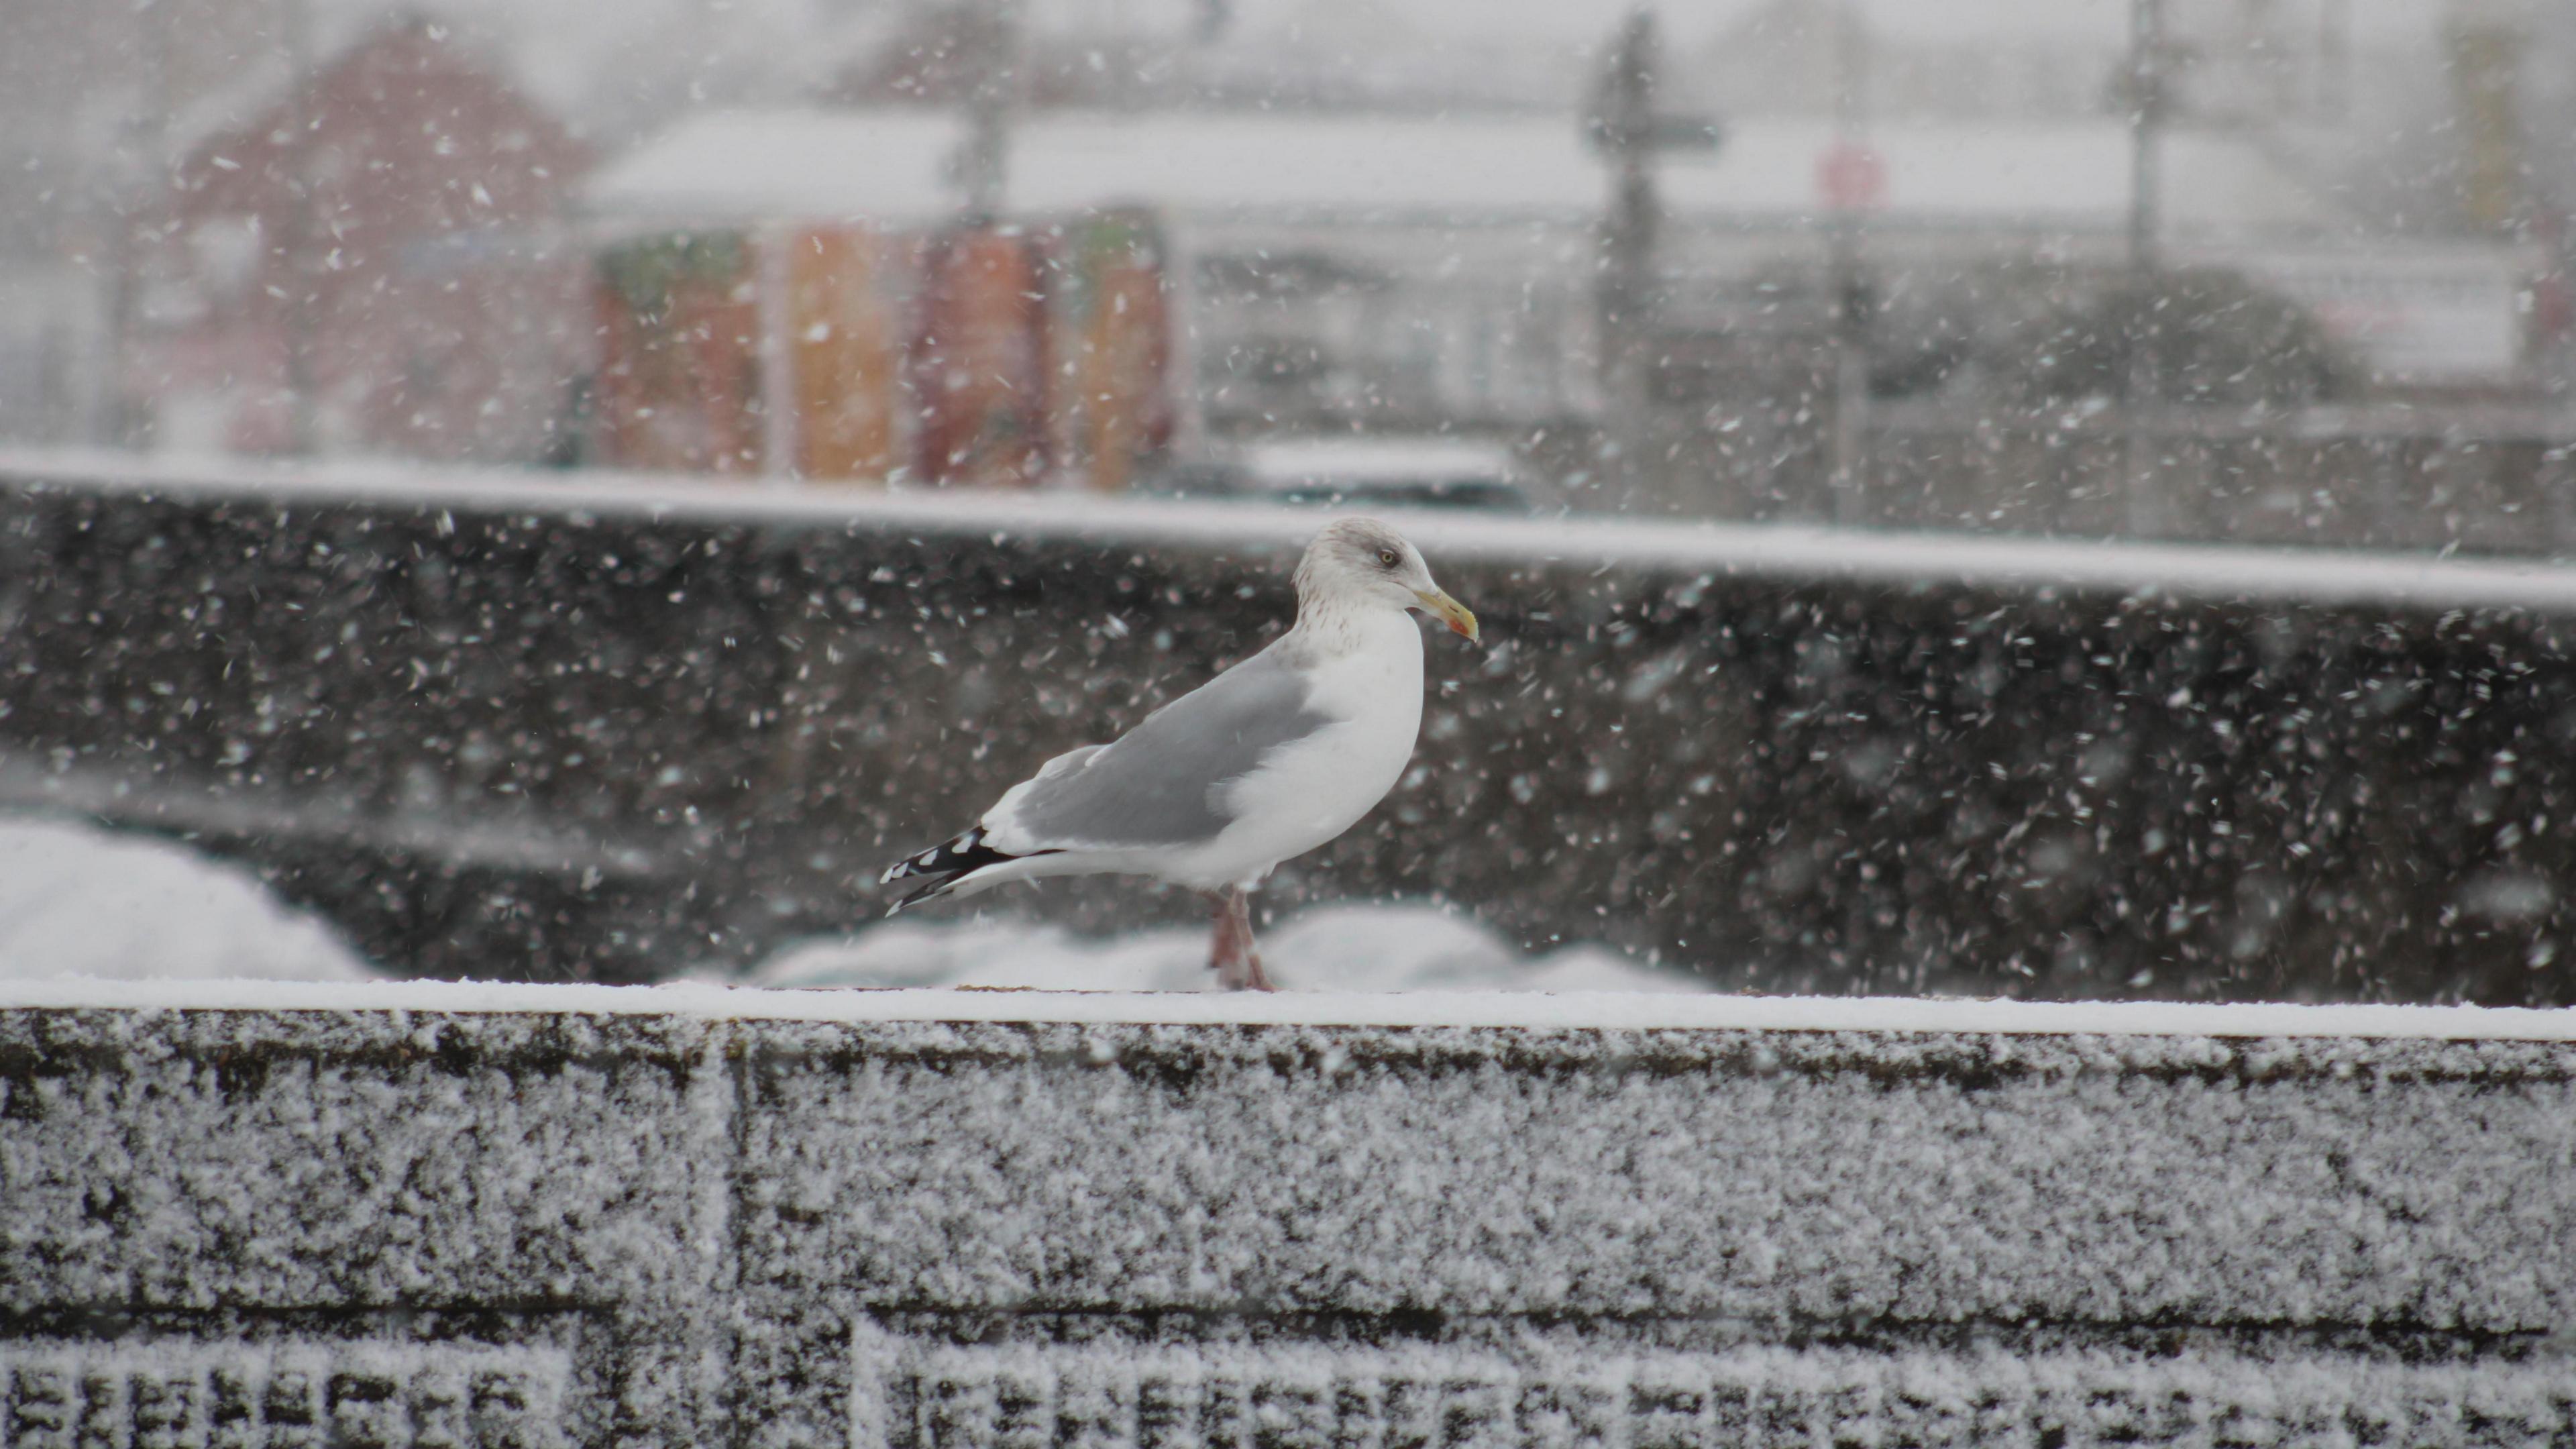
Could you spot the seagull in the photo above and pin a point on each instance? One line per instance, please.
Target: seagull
(1268, 760)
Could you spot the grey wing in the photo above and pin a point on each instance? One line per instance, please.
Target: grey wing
(1157, 783)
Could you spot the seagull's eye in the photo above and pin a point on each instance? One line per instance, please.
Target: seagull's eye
(1386, 556)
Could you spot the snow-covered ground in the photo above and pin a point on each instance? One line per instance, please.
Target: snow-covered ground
(90, 917)
(1332, 948)
(77, 900)
(80, 901)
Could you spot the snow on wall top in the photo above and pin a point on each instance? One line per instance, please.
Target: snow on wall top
(2317, 576)
(747, 166)
(1573, 1010)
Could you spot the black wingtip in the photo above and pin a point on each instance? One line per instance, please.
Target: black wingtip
(932, 891)
(955, 857)
(951, 862)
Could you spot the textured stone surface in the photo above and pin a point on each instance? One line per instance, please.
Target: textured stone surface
(405, 1227)
(146, 1390)
(1111, 1390)
(397, 1180)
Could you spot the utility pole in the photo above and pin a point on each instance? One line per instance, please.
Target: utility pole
(1626, 128)
(2483, 48)
(295, 32)
(982, 157)
(2334, 59)
(138, 193)
(1621, 128)
(1853, 180)
(2146, 95)
(2146, 115)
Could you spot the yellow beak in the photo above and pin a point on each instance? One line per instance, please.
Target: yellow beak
(1449, 611)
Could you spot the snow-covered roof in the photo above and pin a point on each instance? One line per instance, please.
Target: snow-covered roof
(745, 166)
(1297, 460)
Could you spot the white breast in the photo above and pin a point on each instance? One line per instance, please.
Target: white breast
(1321, 786)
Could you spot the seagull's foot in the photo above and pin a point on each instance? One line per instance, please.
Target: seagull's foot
(1242, 972)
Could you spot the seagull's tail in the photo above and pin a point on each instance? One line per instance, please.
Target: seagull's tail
(950, 865)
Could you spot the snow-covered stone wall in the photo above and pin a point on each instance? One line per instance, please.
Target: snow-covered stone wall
(450, 1215)
(614, 727)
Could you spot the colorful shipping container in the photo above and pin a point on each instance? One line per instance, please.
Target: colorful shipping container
(846, 340)
(679, 383)
(993, 356)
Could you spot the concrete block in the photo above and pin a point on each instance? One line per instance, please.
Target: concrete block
(433, 1215)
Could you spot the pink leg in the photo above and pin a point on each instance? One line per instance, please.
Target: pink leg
(1225, 954)
(1254, 976)
(1232, 955)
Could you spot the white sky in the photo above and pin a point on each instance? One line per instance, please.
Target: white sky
(1691, 21)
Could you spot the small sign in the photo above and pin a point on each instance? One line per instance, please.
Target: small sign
(1851, 177)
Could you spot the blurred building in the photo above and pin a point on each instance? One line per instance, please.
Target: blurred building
(885, 343)
(89, 97)
(1417, 274)
(375, 262)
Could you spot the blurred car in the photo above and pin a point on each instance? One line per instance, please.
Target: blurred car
(1393, 472)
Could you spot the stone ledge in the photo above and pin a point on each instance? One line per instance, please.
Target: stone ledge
(1527, 1012)
(687, 1214)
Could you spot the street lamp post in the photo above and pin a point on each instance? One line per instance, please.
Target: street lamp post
(1626, 127)
(992, 88)
(2138, 386)
(138, 188)
(1853, 180)
(301, 219)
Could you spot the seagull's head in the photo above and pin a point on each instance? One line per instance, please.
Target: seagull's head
(1363, 560)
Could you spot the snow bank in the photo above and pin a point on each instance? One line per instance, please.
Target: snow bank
(80, 901)
(76, 900)
(1342, 948)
